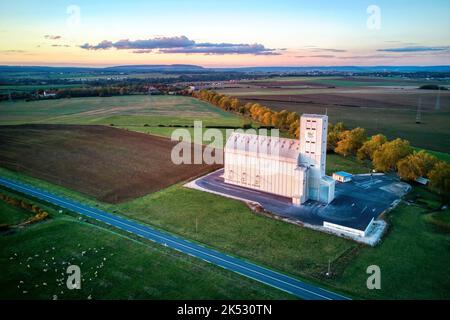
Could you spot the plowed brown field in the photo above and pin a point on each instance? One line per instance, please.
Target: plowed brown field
(111, 165)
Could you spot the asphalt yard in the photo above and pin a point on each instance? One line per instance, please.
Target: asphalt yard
(356, 203)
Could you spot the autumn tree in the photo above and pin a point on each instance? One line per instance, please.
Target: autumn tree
(415, 165)
(276, 120)
(350, 141)
(390, 153)
(293, 128)
(282, 116)
(259, 113)
(370, 146)
(235, 104)
(254, 110)
(293, 123)
(292, 117)
(215, 99)
(267, 118)
(247, 107)
(334, 132)
(225, 103)
(440, 179)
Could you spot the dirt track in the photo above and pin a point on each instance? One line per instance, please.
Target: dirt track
(109, 164)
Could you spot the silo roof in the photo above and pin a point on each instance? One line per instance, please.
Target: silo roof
(262, 145)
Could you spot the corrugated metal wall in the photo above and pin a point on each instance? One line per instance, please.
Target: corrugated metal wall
(262, 173)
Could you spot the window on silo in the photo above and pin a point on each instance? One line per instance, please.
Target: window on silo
(231, 175)
(244, 178)
(257, 182)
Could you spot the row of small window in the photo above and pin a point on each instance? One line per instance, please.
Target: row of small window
(256, 183)
(308, 128)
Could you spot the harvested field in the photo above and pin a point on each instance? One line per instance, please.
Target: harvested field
(111, 165)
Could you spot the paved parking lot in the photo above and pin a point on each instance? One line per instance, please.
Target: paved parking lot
(354, 206)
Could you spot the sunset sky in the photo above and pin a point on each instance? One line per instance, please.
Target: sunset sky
(224, 33)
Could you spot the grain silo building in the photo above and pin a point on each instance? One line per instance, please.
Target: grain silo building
(285, 167)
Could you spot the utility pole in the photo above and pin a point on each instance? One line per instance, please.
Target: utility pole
(419, 111)
(329, 268)
(438, 100)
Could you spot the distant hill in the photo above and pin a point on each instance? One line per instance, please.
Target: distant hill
(359, 69)
(194, 68)
(45, 69)
(127, 68)
(155, 67)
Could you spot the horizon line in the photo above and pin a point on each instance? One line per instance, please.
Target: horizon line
(99, 66)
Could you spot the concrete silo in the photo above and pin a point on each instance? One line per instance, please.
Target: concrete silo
(285, 167)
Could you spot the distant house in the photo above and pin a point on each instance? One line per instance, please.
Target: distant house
(47, 95)
(342, 176)
(153, 90)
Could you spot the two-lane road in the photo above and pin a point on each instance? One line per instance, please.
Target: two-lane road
(247, 269)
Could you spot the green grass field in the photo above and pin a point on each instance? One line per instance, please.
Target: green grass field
(113, 266)
(413, 258)
(136, 110)
(30, 88)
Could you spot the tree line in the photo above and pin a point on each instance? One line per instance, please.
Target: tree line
(283, 120)
(92, 91)
(384, 155)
